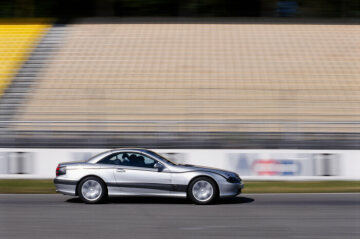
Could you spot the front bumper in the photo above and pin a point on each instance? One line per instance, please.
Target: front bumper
(231, 189)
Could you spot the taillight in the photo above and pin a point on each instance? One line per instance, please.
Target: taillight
(60, 170)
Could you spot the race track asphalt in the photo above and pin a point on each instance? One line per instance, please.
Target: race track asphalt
(248, 216)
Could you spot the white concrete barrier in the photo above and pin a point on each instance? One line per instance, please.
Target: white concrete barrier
(258, 164)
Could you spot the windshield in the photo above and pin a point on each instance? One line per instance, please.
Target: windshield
(159, 156)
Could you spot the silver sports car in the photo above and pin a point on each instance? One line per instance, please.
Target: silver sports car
(141, 172)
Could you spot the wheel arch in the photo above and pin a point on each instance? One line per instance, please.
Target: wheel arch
(203, 176)
(87, 176)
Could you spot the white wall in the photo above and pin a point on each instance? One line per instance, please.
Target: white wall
(250, 164)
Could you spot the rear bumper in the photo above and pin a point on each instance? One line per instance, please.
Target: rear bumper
(66, 187)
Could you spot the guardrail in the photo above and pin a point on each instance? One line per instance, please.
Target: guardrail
(222, 124)
(182, 134)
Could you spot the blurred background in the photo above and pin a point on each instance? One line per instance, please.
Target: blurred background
(266, 88)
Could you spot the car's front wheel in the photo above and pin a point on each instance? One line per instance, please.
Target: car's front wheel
(92, 190)
(203, 190)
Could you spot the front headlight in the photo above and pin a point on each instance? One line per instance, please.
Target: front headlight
(232, 178)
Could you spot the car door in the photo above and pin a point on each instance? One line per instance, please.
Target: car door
(135, 174)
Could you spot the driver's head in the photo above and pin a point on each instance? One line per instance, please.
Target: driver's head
(125, 156)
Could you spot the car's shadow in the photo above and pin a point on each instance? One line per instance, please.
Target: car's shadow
(163, 200)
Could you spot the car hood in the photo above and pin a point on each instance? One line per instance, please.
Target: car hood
(189, 167)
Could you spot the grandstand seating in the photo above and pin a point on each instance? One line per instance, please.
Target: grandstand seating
(17, 39)
(199, 72)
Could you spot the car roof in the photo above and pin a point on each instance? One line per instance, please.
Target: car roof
(134, 150)
(131, 149)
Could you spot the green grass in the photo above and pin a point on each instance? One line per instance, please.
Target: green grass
(302, 187)
(45, 186)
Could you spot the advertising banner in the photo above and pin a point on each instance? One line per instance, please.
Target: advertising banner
(259, 164)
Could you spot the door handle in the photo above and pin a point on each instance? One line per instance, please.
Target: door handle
(120, 170)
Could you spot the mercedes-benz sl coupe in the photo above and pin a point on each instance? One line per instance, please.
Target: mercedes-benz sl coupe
(141, 172)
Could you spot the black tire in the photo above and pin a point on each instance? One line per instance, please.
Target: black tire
(211, 199)
(93, 181)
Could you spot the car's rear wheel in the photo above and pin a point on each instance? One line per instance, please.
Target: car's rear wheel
(92, 190)
(203, 190)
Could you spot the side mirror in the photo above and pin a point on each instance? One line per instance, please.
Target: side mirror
(159, 166)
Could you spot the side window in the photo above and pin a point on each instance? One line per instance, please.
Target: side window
(129, 159)
(140, 160)
(115, 159)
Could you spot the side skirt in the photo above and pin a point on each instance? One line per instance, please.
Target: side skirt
(156, 186)
(114, 191)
